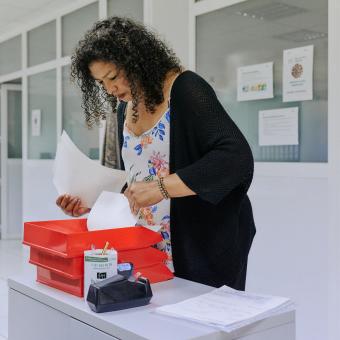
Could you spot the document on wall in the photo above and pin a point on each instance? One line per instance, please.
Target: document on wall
(255, 82)
(36, 123)
(76, 174)
(111, 210)
(279, 127)
(227, 308)
(298, 74)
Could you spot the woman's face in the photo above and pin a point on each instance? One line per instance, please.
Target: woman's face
(112, 79)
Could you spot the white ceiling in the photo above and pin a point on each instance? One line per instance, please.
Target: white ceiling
(19, 13)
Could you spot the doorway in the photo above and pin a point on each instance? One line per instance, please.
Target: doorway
(11, 160)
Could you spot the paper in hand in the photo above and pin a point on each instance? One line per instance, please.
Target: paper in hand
(111, 210)
(77, 175)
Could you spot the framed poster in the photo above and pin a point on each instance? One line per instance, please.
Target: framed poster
(255, 82)
(298, 74)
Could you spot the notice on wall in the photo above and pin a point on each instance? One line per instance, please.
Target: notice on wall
(279, 127)
(36, 123)
(298, 74)
(255, 82)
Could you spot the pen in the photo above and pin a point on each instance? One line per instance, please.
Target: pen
(132, 177)
(105, 248)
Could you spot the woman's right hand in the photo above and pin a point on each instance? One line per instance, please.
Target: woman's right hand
(71, 205)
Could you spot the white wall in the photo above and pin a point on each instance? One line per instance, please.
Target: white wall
(290, 251)
(170, 19)
(333, 277)
(14, 198)
(39, 193)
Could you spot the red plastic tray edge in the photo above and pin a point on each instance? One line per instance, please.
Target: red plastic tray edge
(59, 287)
(59, 272)
(81, 295)
(77, 253)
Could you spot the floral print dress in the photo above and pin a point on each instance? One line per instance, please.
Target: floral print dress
(146, 157)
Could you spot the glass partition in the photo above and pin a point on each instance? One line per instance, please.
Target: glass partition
(75, 24)
(42, 115)
(128, 8)
(10, 55)
(46, 34)
(255, 32)
(74, 120)
(14, 124)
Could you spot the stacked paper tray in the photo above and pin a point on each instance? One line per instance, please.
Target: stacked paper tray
(73, 267)
(57, 249)
(69, 238)
(148, 262)
(155, 273)
(74, 286)
(142, 257)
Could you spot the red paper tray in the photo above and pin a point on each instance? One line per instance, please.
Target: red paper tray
(73, 267)
(52, 279)
(142, 257)
(157, 273)
(69, 238)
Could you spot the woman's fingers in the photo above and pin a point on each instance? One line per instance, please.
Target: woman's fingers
(143, 194)
(75, 210)
(134, 208)
(62, 200)
(65, 201)
(126, 193)
(83, 210)
(70, 206)
(59, 199)
(132, 203)
(78, 210)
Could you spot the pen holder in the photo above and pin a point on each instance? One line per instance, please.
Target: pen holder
(98, 267)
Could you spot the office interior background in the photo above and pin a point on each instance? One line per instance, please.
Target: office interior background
(295, 192)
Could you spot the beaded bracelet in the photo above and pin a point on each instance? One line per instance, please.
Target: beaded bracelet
(162, 189)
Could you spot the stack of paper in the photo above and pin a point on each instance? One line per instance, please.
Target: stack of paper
(77, 175)
(227, 308)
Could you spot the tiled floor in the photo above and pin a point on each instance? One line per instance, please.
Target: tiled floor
(13, 261)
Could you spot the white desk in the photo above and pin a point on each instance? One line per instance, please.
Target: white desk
(38, 312)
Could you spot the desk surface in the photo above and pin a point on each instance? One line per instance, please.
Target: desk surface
(140, 322)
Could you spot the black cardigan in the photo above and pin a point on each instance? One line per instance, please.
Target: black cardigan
(211, 233)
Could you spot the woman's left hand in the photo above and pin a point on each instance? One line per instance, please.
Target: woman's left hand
(142, 194)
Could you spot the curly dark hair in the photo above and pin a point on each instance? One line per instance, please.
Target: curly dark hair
(137, 51)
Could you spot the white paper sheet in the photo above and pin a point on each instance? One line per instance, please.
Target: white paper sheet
(76, 174)
(227, 308)
(279, 127)
(298, 74)
(111, 210)
(255, 82)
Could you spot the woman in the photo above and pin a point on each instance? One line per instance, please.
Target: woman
(189, 165)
